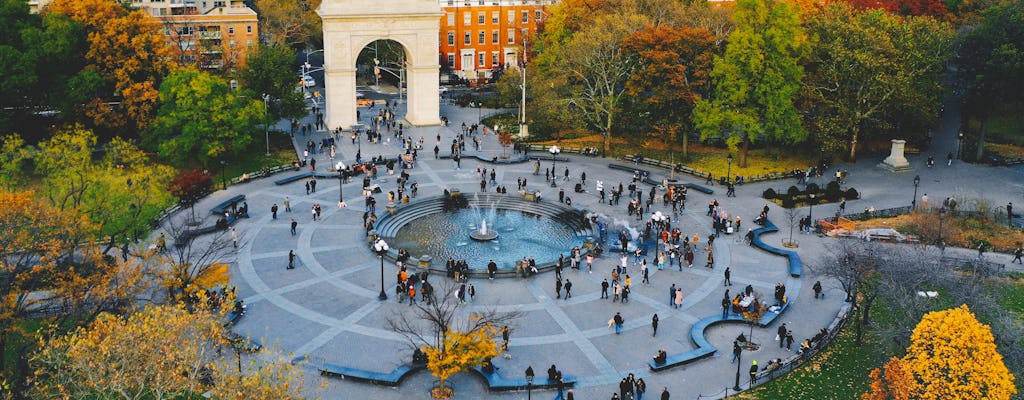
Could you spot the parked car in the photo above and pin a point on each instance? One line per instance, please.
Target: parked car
(308, 81)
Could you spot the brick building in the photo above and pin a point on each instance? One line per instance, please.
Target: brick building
(478, 36)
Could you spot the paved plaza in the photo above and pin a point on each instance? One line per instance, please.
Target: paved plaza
(327, 307)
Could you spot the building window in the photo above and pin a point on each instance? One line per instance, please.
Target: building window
(511, 16)
(526, 17)
(451, 18)
(466, 19)
(231, 43)
(248, 29)
(494, 17)
(536, 16)
(481, 17)
(248, 43)
(185, 31)
(219, 4)
(451, 60)
(481, 57)
(494, 59)
(480, 2)
(451, 38)
(481, 36)
(494, 37)
(467, 38)
(511, 35)
(231, 30)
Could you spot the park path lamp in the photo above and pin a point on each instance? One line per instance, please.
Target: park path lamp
(342, 177)
(739, 362)
(728, 171)
(942, 213)
(529, 382)
(554, 150)
(810, 213)
(381, 248)
(913, 202)
(223, 177)
(266, 120)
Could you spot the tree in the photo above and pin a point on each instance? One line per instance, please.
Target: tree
(461, 351)
(953, 356)
(892, 382)
(757, 80)
(674, 65)
(128, 52)
(289, 23)
(160, 352)
(123, 191)
(202, 119)
(932, 8)
(194, 263)
(191, 186)
(271, 71)
(991, 61)
(13, 155)
(863, 64)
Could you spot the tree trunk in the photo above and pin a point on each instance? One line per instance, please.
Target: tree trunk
(981, 139)
(857, 323)
(853, 144)
(866, 314)
(742, 163)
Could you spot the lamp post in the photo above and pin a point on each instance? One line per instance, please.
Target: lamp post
(554, 150)
(223, 177)
(266, 123)
(381, 247)
(942, 212)
(728, 171)
(529, 382)
(959, 145)
(913, 202)
(342, 177)
(810, 213)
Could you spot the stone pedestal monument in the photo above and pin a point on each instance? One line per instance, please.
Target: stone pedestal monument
(896, 162)
(350, 25)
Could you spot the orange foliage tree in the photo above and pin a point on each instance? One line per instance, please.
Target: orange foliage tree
(128, 51)
(461, 350)
(951, 356)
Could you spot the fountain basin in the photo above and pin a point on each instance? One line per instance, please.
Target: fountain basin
(484, 236)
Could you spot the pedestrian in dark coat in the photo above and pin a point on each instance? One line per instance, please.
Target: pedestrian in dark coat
(654, 325)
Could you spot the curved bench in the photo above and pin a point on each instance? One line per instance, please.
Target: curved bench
(498, 383)
(499, 160)
(796, 267)
(393, 378)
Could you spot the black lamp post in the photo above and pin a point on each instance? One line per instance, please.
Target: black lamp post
(810, 213)
(942, 212)
(959, 145)
(728, 171)
(913, 203)
(529, 382)
(554, 150)
(381, 247)
(342, 177)
(739, 362)
(223, 177)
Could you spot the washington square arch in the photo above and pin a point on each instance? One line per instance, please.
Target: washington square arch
(350, 25)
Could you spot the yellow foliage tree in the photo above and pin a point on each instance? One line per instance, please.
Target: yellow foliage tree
(951, 356)
(891, 382)
(460, 351)
(160, 352)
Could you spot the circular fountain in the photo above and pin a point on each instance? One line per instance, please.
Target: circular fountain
(483, 227)
(483, 234)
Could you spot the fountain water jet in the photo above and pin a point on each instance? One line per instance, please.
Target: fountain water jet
(483, 234)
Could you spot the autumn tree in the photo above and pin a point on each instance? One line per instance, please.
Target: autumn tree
(191, 186)
(128, 55)
(49, 266)
(756, 82)
(674, 65)
(953, 356)
(159, 352)
(122, 191)
(932, 8)
(289, 23)
(461, 351)
(891, 382)
(194, 263)
(863, 65)
(13, 158)
(202, 119)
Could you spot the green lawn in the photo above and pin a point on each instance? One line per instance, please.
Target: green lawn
(281, 152)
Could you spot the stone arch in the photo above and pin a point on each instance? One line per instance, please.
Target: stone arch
(350, 25)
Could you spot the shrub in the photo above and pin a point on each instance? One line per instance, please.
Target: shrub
(793, 191)
(769, 193)
(788, 202)
(812, 188)
(832, 191)
(851, 194)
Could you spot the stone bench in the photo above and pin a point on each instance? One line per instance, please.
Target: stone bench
(293, 178)
(220, 208)
(392, 378)
(795, 264)
(498, 383)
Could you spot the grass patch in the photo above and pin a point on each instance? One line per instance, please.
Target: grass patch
(1011, 295)
(1005, 150)
(700, 156)
(956, 231)
(282, 151)
(839, 372)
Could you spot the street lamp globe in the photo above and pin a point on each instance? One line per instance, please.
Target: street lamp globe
(381, 248)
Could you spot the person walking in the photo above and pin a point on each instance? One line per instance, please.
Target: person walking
(617, 319)
(728, 274)
(294, 225)
(736, 350)
(604, 288)
(725, 307)
(234, 238)
(679, 298)
(672, 294)
(665, 394)
(291, 259)
(504, 338)
(753, 372)
(654, 325)
(287, 204)
(558, 288)
(1017, 254)
(568, 289)
(273, 211)
(780, 334)
(641, 388)
(817, 290)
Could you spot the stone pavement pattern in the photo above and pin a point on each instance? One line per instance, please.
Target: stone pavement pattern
(327, 307)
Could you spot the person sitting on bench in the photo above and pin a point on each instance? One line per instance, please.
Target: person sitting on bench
(661, 357)
(552, 373)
